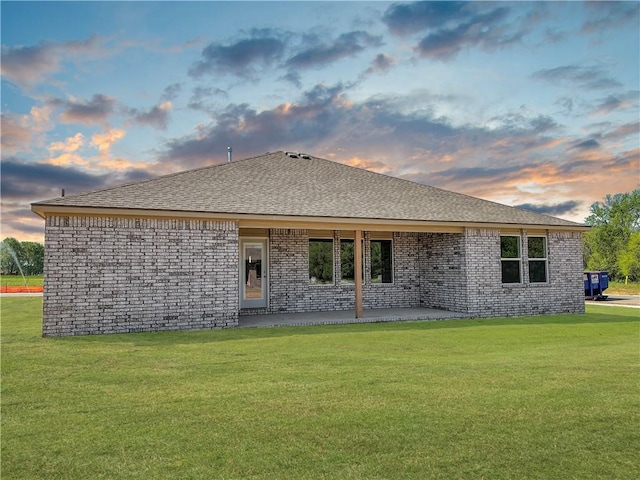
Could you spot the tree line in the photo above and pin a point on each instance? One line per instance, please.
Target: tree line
(613, 243)
(21, 257)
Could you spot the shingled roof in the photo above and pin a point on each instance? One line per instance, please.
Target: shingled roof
(281, 184)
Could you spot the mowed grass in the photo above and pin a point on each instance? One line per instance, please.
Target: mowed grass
(553, 397)
(19, 280)
(621, 288)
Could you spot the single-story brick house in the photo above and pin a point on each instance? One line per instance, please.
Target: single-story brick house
(289, 232)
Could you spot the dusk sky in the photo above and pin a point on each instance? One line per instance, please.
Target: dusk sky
(527, 104)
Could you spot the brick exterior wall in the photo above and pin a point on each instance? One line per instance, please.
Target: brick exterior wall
(405, 289)
(116, 275)
(443, 274)
(488, 297)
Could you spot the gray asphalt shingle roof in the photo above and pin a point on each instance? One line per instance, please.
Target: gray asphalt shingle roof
(276, 184)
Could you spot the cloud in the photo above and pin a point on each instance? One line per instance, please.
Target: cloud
(600, 16)
(451, 27)
(104, 141)
(381, 63)
(487, 30)
(294, 78)
(587, 144)
(398, 128)
(29, 65)
(588, 77)
(69, 160)
(405, 19)
(478, 173)
(21, 222)
(527, 177)
(143, 169)
(201, 98)
(29, 181)
(367, 164)
(19, 132)
(67, 153)
(15, 134)
(557, 209)
(522, 120)
(344, 46)
(566, 104)
(615, 102)
(156, 117)
(171, 92)
(250, 131)
(324, 118)
(263, 48)
(96, 110)
(624, 130)
(72, 152)
(71, 144)
(242, 58)
(35, 181)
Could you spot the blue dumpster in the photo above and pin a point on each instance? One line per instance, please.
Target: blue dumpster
(595, 283)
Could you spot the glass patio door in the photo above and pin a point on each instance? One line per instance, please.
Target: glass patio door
(253, 274)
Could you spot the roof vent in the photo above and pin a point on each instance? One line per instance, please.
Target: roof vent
(298, 155)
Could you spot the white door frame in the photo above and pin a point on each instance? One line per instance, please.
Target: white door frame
(264, 277)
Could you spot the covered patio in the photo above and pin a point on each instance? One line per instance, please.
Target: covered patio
(346, 317)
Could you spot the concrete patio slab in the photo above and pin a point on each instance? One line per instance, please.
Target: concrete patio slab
(346, 317)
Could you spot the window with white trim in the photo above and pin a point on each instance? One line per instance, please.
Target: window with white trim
(381, 261)
(320, 261)
(511, 258)
(537, 257)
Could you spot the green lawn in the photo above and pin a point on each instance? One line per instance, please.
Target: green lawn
(553, 397)
(621, 288)
(19, 280)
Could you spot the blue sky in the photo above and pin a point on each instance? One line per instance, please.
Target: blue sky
(533, 104)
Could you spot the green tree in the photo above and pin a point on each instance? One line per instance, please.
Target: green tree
(321, 261)
(614, 221)
(347, 255)
(11, 256)
(21, 257)
(32, 258)
(629, 259)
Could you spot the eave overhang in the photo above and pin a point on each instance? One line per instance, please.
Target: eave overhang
(245, 220)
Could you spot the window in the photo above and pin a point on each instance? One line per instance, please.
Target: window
(320, 261)
(381, 261)
(510, 259)
(537, 253)
(347, 265)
